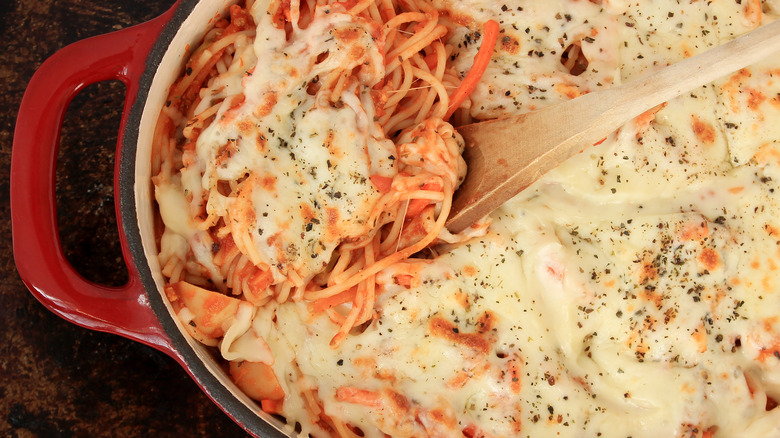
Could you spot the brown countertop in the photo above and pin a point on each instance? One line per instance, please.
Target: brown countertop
(57, 379)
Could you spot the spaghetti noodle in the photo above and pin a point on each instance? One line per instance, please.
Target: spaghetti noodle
(407, 97)
(305, 164)
(388, 66)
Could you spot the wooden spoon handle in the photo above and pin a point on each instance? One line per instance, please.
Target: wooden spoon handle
(665, 84)
(508, 154)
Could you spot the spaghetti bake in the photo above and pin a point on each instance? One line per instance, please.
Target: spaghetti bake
(305, 163)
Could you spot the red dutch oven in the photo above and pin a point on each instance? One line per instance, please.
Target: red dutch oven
(146, 58)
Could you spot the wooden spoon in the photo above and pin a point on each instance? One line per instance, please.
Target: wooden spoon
(506, 155)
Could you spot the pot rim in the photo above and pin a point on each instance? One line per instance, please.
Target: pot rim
(247, 418)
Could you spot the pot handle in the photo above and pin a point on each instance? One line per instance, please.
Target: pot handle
(38, 253)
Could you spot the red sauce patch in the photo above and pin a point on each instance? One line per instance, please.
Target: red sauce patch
(262, 143)
(704, 131)
(225, 152)
(268, 182)
(307, 212)
(367, 365)
(246, 126)
(709, 258)
(755, 99)
(379, 96)
(357, 52)
(693, 231)
(258, 282)
(753, 12)
(643, 120)
(273, 239)
(479, 341)
(768, 353)
(570, 91)
(732, 87)
(510, 44)
(462, 298)
(440, 416)
(213, 305)
(332, 218)
(741, 75)
(700, 336)
(775, 101)
(459, 381)
(399, 405)
(647, 271)
(650, 295)
(515, 369)
(265, 109)
(281, 14)
(237, 101)
(348, 35)
(358, 396)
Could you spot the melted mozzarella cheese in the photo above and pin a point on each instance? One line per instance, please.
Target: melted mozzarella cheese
(630, 292)
(301, 164)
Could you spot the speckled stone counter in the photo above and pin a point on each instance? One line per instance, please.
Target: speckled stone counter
(57, 379)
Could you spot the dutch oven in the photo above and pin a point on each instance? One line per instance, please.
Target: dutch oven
(147, 58)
